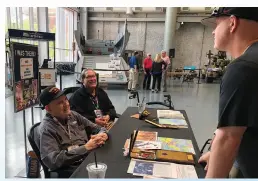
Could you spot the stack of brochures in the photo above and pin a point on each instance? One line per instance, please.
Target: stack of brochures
(173, 118)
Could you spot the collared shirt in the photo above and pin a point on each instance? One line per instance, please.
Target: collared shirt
(54, 141)
(166, 60)
(147, 63)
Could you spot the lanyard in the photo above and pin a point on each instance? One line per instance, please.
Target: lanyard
(95, 101)
(68, 133)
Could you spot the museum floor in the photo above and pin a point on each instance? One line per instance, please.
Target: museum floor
(199, 100)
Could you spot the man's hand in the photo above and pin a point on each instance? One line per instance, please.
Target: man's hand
(93, 143)
(205, 158)
(100, 121)
(101, 136)
(106, 118)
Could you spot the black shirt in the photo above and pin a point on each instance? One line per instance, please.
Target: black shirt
(238, 106)
(84, 103)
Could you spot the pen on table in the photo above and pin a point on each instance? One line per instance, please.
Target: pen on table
(136, 133)
(130, 146)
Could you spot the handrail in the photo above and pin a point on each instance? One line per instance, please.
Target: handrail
(73, 72)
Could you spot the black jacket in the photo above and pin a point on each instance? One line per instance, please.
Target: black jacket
(82, 103)
(157, 67)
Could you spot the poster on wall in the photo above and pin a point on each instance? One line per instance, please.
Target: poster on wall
(25, 73)
(48, 77)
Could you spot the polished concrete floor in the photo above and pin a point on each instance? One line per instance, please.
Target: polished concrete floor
(199, 100)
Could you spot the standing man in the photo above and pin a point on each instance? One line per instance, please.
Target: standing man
(133, 72)
(147, 65)
(236, 137)
(166, 59)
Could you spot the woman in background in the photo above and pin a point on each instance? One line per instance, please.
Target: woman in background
(156, 72)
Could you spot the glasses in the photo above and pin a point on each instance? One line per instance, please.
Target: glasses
(91, 76)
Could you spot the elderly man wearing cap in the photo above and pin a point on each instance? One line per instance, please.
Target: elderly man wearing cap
(63, 141)
(236, 137)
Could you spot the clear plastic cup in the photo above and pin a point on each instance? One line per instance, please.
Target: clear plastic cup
(96, 172)
(141, 107)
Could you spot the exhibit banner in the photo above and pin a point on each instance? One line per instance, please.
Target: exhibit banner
(48, 77)
(25, 73)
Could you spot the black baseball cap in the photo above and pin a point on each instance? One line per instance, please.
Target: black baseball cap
(250, 13)
(49, 94)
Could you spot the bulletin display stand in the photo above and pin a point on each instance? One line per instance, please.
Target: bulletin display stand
(26, 76)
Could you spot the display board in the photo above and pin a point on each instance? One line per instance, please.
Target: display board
(25, 73)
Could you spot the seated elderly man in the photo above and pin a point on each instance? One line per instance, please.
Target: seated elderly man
(63, 142)
(91, 101)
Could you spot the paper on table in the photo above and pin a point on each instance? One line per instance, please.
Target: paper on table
(161, 169)
(186, 171)
(152, 168)
(145, 145)
(147, 136)
(170, 114)
(173, 144)
(176, 122)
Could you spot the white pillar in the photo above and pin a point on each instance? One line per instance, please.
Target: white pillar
(42, 27)
(84, 21)
(170, 28)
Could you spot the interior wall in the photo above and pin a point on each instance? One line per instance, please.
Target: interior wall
(149, 37)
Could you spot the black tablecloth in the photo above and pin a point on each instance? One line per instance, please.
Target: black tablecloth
(112, 152)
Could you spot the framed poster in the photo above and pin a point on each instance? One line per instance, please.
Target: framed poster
(25, 75)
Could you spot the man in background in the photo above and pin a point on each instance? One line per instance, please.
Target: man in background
(235, 140)
(166, 59)
(133, 72)
(147, 65)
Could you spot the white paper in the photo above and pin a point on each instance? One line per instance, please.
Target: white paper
(147, 145)
(48, 77)
(170, 114)
(161, 169)
(26, 68)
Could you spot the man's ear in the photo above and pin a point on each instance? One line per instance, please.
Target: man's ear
(233, 23)
(47, 108)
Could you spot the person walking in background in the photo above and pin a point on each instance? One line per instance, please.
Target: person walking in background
(133, 72)
(156, 71)
(147, 65)
(166, 59)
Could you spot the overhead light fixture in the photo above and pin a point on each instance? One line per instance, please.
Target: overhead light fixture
(182, 23)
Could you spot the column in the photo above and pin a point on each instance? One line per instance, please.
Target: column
(170, 28)
(42, 27)
(84, 21)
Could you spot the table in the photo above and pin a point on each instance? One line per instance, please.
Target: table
(112, 152)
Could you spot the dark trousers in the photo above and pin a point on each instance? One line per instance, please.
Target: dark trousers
(66, 172)
(147, 78)
(156, 77)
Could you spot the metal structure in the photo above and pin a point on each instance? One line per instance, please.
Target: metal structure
(106, 58)
(215, 67)
(26, 35)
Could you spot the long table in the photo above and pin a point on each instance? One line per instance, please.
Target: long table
(112, 152)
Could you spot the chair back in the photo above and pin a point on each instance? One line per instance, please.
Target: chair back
(70, 90)
(33, 138)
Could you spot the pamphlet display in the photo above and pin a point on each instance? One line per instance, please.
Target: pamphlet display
(25, 69)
